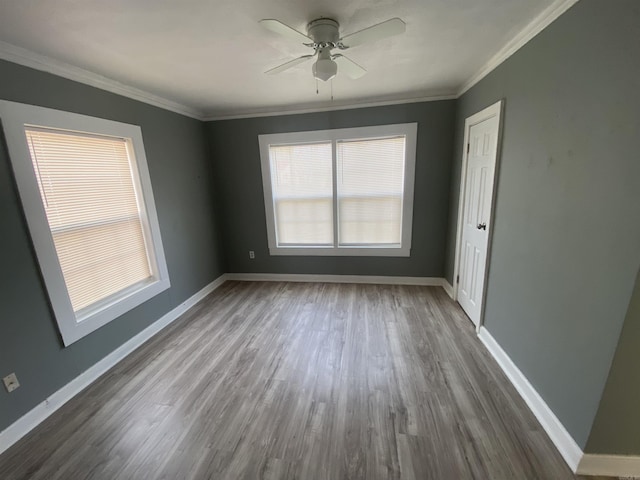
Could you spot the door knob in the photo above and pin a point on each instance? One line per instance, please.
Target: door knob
(482, 226)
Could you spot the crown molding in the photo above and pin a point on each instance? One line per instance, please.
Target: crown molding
(542, 21)
(43, 63)
(328, 108)
(27, 58)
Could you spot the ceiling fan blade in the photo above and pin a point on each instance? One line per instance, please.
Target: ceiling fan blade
(347, 66)
(284, 30)
(289, 64)
(382, 30)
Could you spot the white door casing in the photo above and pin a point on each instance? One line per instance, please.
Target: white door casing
(476, 201)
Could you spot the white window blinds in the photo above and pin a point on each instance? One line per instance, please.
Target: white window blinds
(302, 186)
(89, 194)
(340, 192)
(370, 191)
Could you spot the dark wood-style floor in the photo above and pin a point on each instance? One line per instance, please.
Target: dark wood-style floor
(299, 380)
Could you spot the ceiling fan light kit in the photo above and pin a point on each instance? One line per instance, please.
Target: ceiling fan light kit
(323, 35)
(324, 68)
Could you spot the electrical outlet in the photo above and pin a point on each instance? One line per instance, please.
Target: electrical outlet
(252, 254)
(11, 382)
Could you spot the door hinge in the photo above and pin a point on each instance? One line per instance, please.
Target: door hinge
(457, 278)
(468, 147)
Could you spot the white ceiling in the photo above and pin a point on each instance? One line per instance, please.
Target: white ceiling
(210, 55)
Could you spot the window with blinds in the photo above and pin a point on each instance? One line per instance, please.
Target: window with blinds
(89, 195)
(340, 192)
(87, 198)
(302, 180)
(370, 191)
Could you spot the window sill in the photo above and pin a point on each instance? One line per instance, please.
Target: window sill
(74, 329)
(341, 252)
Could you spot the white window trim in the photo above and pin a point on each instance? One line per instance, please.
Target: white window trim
(409, 130)
(15, 116)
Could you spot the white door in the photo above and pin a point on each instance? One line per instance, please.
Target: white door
(478, 191)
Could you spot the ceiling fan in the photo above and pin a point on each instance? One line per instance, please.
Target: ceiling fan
(323, 35)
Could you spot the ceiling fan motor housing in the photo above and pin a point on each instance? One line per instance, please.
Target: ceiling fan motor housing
(324, 32)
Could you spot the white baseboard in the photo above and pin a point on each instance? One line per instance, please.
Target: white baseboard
(563, 441)
(370, 279)
(609, 466)
(37, 415)
(447, 287)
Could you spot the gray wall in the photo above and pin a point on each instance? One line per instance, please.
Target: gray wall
(180, 174)
(234, 145)
(616, 429)
(566, 236)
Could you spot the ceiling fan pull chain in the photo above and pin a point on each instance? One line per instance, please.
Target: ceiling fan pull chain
(317, 92)
(332, 89)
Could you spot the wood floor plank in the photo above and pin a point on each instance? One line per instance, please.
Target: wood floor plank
(304, 381)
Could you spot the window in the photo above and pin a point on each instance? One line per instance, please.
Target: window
(340, 192)
(87, 197)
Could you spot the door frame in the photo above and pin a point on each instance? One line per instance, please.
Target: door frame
(493, 110)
